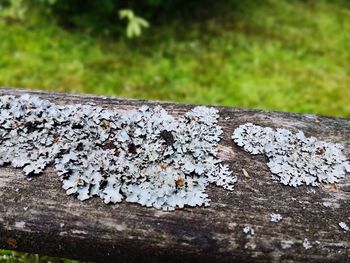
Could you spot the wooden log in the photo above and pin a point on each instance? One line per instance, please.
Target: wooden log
(38, 216)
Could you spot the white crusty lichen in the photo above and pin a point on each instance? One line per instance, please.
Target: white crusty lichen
(275, 217)
(249, 230)
(145, 156)
(294, 159)
(306, 244)
(344, 226)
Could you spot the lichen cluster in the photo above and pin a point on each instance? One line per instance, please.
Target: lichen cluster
(275, 217)
(145, 156)
(294, 159)
(344, 226)
(306, 244)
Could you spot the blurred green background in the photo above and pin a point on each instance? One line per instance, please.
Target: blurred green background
(286, 55)
(277, 54)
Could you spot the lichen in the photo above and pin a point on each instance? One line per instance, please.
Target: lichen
(145, 156)
(275, 217)
(344, 226)
(306, 244)
(249, 230)
(294, 159)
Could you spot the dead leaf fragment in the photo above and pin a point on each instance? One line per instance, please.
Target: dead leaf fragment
(320, 151)
(219, 148)
(246, 174)
(331, 187)
(11, 242)
(164, 166)
(105, 124)
(180, 182)
(56, 138)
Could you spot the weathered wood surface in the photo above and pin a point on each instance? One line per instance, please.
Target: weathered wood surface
(38, 216)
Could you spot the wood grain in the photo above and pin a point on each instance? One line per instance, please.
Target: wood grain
(37, 216)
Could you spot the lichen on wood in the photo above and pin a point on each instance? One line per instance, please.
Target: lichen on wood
(145, 156)
(294, 159)
(91, 231)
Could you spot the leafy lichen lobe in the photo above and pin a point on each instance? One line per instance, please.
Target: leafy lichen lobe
(145, 156)
(294, 159)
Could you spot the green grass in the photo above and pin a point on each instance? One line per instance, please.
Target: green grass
(279, 55)
(19, 257)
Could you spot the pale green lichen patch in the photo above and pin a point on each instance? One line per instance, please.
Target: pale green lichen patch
(294, 159)
(145, 156)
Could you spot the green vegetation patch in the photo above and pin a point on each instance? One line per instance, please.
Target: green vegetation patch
(280, 55)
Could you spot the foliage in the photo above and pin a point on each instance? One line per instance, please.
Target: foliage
(7, 256)
(101, 17)
(98, 16)
(135, 23)
(76, 13)
(13, 9)
(281, 56)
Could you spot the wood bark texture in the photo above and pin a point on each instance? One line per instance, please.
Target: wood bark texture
(38, 217)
